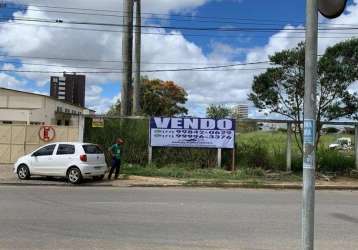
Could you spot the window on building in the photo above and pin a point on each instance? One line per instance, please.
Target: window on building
(59, 109)
(67, 110)
(6, 122)
(65, 149)
(67, 122)
(59, 122)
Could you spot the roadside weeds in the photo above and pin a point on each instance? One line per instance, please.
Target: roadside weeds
(202, 179)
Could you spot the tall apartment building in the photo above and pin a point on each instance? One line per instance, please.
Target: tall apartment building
(69, 88)
(242, 111)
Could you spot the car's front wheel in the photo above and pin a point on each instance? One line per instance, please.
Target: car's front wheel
(23, 172)
(74, 175)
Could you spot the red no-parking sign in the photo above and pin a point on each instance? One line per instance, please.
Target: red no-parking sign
(47, 133)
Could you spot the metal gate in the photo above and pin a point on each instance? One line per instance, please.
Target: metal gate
(18, 140)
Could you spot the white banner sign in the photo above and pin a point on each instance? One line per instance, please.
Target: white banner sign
(192, 132)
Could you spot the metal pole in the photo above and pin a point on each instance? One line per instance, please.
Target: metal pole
(309, 157)
(219, 157)
(150, 148)
(138, 41)
(150, 155)
(127, 51)
(233, 159)
(356, 145)
(289, 147)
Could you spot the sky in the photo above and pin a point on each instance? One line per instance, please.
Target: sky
(42, 46)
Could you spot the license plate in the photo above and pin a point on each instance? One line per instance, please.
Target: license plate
(97, 167)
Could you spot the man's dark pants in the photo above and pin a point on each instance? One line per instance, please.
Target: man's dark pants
(116, 165)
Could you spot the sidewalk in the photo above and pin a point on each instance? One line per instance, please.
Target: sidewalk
(8, 178)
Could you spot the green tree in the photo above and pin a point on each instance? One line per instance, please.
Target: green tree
(218, 111)
(115, 109)
(281, 88)
(158, 98)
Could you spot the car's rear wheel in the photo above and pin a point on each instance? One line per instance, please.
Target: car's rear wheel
(23, 172)
(74, 175)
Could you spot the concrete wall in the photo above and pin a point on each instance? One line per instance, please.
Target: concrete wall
(18, 140)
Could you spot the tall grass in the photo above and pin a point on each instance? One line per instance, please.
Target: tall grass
(264, 150)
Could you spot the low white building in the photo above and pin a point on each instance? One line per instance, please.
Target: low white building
(29, 120)
(18, 107)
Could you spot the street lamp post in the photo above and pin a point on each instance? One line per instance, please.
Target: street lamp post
(329, 9)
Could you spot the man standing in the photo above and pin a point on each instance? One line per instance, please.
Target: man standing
(115, 151)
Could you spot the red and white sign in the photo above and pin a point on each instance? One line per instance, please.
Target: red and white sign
(47, 133)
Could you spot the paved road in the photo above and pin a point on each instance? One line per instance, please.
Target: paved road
(136, 218)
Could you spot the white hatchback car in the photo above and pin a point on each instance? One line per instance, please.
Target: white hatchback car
(74, 161)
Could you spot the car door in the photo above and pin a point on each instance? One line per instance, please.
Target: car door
(65, 156)
(42, 159)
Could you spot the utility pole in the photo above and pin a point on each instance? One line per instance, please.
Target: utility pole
(137, 47)
(127, 53)
(309, 155)
(329, 9)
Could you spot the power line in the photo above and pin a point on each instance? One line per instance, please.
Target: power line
(208, 68)
(119, 72)
(245, 29)
(158, 14)
(60, 58)
(57, 65)
(153, 17)
(180, 34)
(152, 70)
(116, 61)
(216, 29)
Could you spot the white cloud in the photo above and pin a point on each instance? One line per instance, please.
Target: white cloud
(10, 82)
(205, 87)
(96, 101)
(150, 6)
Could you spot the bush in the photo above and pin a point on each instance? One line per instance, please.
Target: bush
(334, 161)
(134, 133)
(254, 155)
(184, 171)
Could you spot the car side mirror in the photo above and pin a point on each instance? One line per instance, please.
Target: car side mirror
(35, 154)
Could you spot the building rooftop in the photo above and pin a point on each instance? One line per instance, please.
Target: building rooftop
(50, 97)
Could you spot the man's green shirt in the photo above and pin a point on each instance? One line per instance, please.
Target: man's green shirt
(116, 151)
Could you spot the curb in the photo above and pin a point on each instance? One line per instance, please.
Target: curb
(244, 186)
(195, 185)
(13, 184)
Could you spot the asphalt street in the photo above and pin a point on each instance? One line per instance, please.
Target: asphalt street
(168, 218)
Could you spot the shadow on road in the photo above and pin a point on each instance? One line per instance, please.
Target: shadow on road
(345, 217)
(63, 181)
